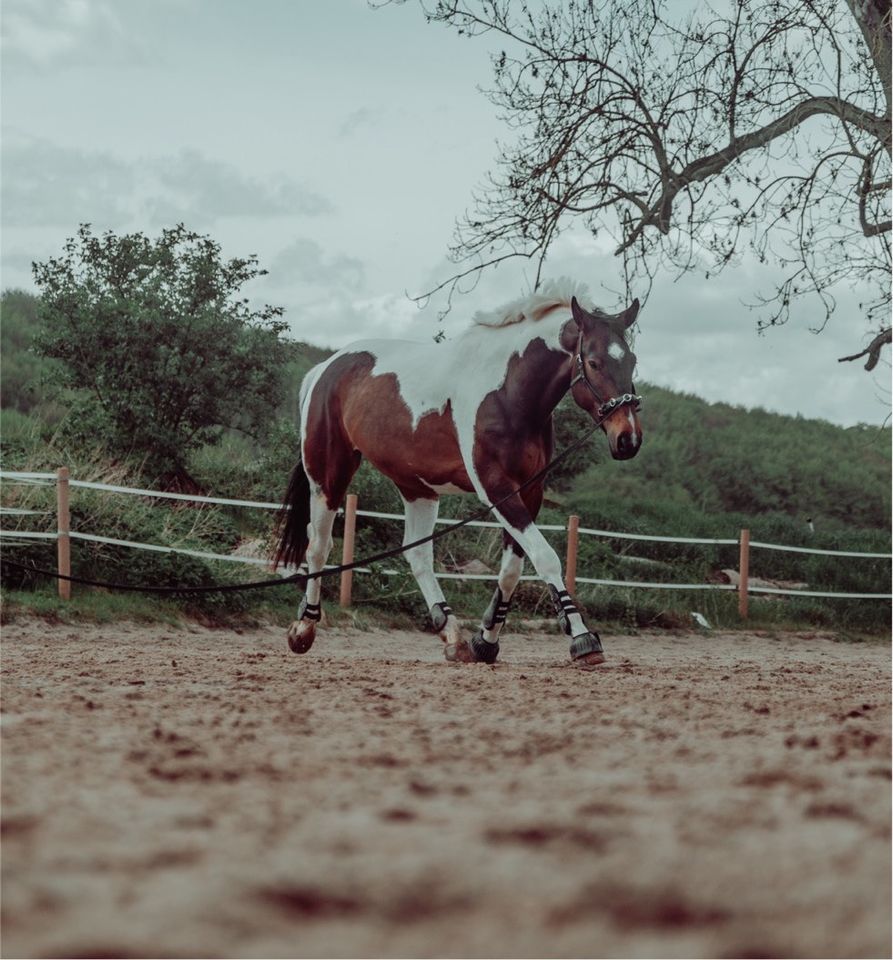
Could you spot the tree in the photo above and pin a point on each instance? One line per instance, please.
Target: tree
(689, 139)
(21, 370)
(156, 332)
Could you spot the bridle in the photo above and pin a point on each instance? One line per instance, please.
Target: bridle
(605, 407)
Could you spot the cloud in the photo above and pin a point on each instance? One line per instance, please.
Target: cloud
(46, 184)
(303, 261)
(40, 33)
(338, 319)
(696, 336)
(359, 118)
(197, 188)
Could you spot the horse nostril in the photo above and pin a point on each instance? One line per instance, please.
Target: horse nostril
(626, 445)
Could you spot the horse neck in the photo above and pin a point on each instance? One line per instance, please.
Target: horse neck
(538, 376)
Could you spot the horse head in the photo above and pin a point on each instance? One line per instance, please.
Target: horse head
(602, 383)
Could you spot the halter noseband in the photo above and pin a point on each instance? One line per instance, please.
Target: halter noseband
(605, 407)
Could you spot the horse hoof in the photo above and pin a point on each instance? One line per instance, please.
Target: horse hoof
(589, 661)
(301, 636)
(586, 650)
(451, 635)
(476, 650)
(459, 652)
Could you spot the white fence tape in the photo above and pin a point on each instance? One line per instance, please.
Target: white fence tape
(661, 586)
(587, 531)
(12, 535)
(26, 476)
(27, 535)
(820, 593)
(49, 478)
(231, 558)
(643, 536)
(827, 553)
(136, 491)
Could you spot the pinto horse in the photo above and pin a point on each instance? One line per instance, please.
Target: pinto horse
(473, 415)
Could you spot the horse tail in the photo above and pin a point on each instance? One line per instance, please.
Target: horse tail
(293, 520)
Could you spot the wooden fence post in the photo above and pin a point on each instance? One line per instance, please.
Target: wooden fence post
(570, 564)
(350, 527)
(63, 530)
(743, 571)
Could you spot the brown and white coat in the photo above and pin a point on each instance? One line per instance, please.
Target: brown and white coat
(470, 415)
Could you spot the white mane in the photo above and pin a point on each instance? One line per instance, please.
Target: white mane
(552, 294)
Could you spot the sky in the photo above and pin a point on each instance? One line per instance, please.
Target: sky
(340, 142)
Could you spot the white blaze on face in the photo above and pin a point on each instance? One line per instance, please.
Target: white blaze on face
(616, 351)
(632, 426)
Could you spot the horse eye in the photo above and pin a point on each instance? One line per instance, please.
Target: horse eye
(593, 363)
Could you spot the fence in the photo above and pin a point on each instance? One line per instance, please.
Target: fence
(64, 535)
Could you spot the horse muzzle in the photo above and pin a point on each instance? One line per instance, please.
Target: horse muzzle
(624, 434)
(627, 445)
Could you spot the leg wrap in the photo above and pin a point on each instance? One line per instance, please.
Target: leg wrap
(484, 652)
(440, 612)
(495, 613)
(309, 611)
(564, 607)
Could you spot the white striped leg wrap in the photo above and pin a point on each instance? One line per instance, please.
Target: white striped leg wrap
(309, 611)
(564, 608)
(496, 613)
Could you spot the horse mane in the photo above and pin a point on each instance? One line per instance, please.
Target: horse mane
(534, 306)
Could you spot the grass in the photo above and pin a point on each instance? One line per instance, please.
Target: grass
(91, 606)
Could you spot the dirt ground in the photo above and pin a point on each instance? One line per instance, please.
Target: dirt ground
(206, 793)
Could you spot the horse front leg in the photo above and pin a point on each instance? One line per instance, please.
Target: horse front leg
(302, 631)
(420, 519)
(585, 646)
(517, 518)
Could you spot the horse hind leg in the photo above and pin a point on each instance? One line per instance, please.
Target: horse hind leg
(302, 631)
(509, 574)
(421, 515)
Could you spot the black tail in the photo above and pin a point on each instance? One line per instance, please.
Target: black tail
(293, 520)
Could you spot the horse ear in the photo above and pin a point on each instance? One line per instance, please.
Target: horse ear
(629, 315)
(581, 317)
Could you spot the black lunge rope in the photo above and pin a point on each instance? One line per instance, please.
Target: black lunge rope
(328, 571)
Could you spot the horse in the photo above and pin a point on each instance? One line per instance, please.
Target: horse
(470, 415)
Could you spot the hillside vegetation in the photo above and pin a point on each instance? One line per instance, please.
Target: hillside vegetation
(705, 470)
(701, 460)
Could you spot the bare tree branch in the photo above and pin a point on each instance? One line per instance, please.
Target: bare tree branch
(690, 140)
(873, 349)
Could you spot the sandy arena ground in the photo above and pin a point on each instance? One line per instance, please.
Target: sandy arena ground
(206, 793)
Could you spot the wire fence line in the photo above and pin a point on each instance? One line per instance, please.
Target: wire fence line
(19, 537)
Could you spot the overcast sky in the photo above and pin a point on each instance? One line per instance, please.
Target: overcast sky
(339, 143)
